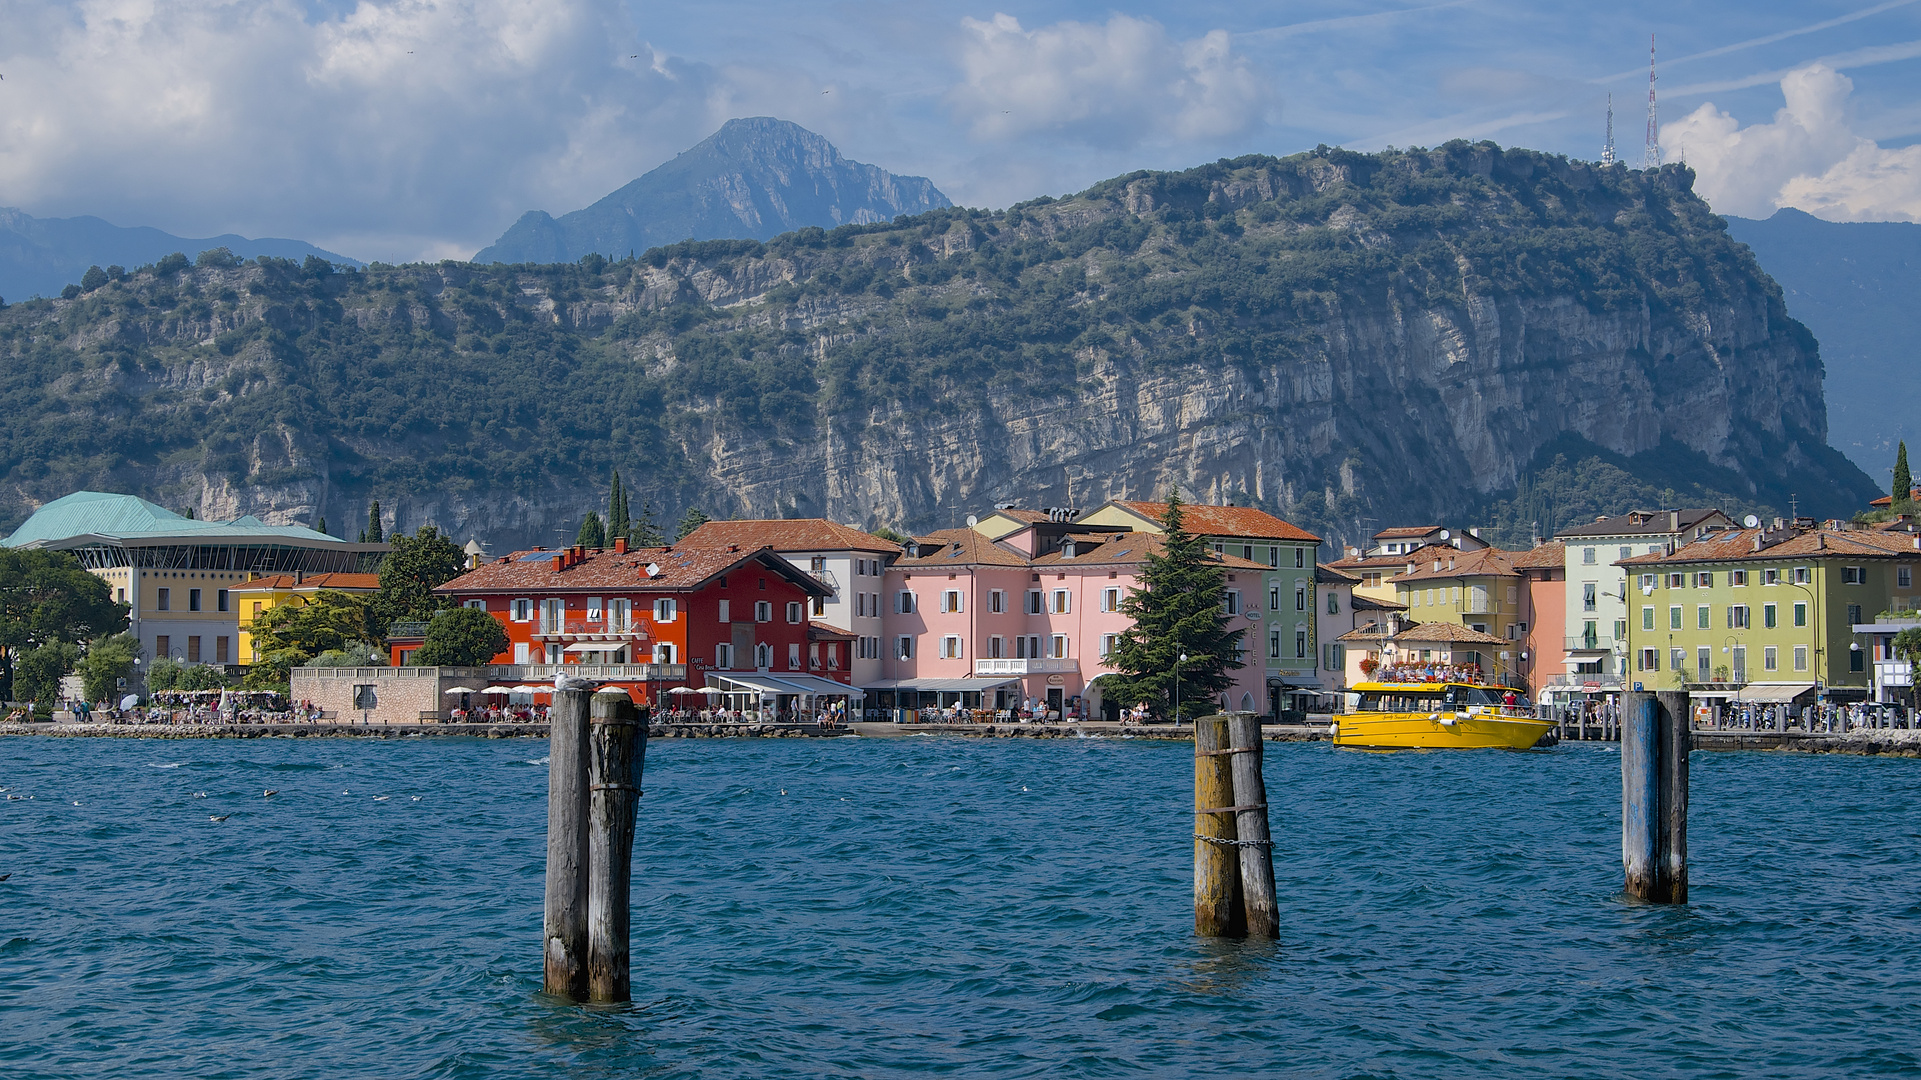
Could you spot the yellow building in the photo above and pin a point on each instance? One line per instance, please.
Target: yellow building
(263, 592)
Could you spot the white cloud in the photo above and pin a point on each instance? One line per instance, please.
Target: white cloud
(1110, 85)
(1807, 157)
(392, 129)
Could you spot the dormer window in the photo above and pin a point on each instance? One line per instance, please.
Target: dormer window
(1067, 550)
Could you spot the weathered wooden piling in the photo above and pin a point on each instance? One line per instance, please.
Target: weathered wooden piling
(1256, 847)
(1217, 902)
(617, 738)
(564, 930)
(1654, 799)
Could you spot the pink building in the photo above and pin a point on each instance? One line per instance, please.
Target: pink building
(974, 623)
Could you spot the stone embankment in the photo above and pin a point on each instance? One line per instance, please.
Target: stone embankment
(1096, 729)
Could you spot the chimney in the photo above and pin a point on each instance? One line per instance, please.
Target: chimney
(620, 545)
(299, 578)
(1820, 541)
(1674, 521)
(560, 563)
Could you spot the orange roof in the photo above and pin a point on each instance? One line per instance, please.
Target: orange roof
(1400, 531)
(1482, 562)
(1552, 554)
(1453, 633)
(1914, 495)
(342, 582)
(790, 534)
(1120, 549)
(1240, 522)
(820, 631)
(1738, 545)
(682, 568)
(1351, 563)
(958, 547)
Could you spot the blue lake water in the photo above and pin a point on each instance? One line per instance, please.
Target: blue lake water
(929, 906)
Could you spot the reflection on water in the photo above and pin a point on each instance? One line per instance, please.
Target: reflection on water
(883, 908)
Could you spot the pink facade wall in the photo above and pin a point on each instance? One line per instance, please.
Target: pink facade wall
(1546, 627)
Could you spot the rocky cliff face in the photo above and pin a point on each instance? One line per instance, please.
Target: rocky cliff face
(1347, 340)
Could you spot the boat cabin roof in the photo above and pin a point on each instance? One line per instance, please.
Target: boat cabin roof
(1417, 688)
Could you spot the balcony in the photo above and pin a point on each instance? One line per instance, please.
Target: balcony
(1582, 679)
(539, 673)
(581, 629)
(1589, 643)
(826, 577)
(1032, 666)
(1477, 605)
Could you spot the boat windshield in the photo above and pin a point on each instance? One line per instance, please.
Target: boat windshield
(1423, 700)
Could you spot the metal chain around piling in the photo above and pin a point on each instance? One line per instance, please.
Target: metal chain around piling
(1224, 842)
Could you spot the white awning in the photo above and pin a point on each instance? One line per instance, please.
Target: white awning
(596, 646)
(1772, 693)
(781, 685)
(947, 686)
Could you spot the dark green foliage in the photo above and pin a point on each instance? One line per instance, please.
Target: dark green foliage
(461, 637)
(170, 674)
(70, 292)
(1178, 610)
(48, 598)
(693, 519)
(92, 279)
(372, 534)
(219, 258)
(38, 671)
(1572, 482)
(619, 526)
(593, 534)
(108, 660)
(409, 574)
(646, 531)
(321, 525)
(1903, 489)
(170, 264)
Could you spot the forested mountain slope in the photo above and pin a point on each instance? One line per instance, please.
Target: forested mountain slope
(1345, 339)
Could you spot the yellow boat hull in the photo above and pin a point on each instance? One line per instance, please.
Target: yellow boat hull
(1449, 730)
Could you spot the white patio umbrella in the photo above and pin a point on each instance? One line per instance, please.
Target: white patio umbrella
(693, 690)
(498, 690)
(460, 690)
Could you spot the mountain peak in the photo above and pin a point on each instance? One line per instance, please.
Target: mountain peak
(753, 179)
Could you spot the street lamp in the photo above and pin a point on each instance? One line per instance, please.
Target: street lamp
(1177, 687)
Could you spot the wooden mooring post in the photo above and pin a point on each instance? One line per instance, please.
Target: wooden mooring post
(1233, 855)
(1654, 795)
(617, 753)
(564, 929)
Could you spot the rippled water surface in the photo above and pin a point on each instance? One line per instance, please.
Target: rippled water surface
(906, 907)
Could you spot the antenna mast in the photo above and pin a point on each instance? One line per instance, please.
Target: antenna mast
(1607, 148)
(1651, 155)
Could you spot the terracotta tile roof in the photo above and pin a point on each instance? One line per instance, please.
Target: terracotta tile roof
(1641, 523)
(1399, 532)
(343, 582)
(1224, 521)
(1914, 495)
(820, 631)
(958, 547)
(1452, 633)
(1485, 562)
(1120, 549)
(1551, 554)
(1371, 632)
(1395, 563)
(1738, 545)
(789, 534)
(1029, 516)
(683, 568)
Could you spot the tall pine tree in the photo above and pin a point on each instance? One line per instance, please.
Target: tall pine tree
(373, 535)
(322, 526)
(1178, 609)
(1903, 479)
(693, 519)
(646, 531)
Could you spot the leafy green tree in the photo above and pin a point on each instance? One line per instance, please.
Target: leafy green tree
(108, 660)
(92, 279)
(1907, 646)
(693, 519)
(461, 637)
(39, 671)
(356, 654)
(220, 258)
(289, 635)
(592, 533)
(48, 597)
(646, 531)
(892, 536)
(410, 573)
(1179, 609)
(164, 674)
(1903, 479)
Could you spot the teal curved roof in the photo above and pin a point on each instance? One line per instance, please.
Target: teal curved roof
(103, 516)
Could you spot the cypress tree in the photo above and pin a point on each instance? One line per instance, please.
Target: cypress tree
(618, 525)
(374, 535)
(646, 532)
(693, 519)
(322, 527)
(1903, 480)
(1179, 608)
(592, 533)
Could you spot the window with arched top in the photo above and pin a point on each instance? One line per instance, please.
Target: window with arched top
(763, 655)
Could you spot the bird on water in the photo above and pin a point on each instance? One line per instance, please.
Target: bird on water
(218, 817)
(269, 793)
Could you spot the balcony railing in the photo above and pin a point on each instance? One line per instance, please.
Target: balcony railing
(1476, 606)
(610, 672)
(1590, 643)
(582, 627)
(1577, 678)
(1030, 666)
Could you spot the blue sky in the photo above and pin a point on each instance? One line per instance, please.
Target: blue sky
(399, 129)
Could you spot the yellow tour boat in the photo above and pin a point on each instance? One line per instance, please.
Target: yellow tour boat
(1436, 714)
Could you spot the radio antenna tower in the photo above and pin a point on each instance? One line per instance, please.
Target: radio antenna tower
(1607, 148)
(1651, 155)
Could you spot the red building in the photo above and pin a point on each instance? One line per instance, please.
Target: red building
(650, 619)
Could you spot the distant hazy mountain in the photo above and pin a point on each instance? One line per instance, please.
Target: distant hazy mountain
(753, 179)
(1858, 287)
(44, 255)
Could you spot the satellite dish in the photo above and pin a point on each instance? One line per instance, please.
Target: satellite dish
(972, 521)
(653, 569)
(1751, 521)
